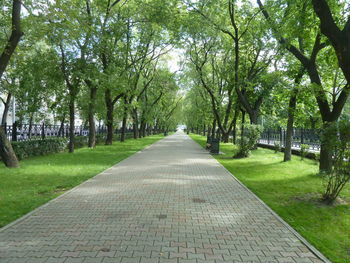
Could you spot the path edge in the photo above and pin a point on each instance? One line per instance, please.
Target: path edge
(314, 250)
(18, 220)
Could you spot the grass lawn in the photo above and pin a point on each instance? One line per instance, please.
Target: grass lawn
(40, 179)
(292, 190)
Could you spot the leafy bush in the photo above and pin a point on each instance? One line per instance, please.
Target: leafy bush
(248, 140)
(338, 139)
(304, 150)
(31, 148)
(277, 147)
(81, 141)
(100, 138)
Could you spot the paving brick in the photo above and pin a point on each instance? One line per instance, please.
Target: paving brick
(170, 203)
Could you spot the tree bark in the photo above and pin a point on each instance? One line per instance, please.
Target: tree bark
(235, 117)
(291, 112)
(6, 151)
(7, 154)
(213, 131)
(242, 126)
(290, 123)
(109, 117)
(92, 125)
(225, 137)
(340, 39)
(125, 116)
(71, 123)
(30, 125)
(61, 129)
(7, 105)
(136, 124)
(16, 34)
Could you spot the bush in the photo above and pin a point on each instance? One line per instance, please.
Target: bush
(80, 141)
(100, 138)
(338, 139)
(277, 147)
(304, 150)
(248, 140)
(31, 148)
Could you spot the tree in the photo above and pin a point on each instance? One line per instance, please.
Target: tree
(329, 112)
(6, 151)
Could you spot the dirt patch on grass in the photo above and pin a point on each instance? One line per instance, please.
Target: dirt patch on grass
(58, 190)
(315, 198)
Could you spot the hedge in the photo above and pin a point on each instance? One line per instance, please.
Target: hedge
(31, 148)
(25, 149)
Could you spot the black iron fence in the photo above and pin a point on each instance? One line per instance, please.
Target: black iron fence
(25, 132)
(300, 136)
(278, 136)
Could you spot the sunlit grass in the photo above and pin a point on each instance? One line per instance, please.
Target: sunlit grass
(40, 179)
(292, 190)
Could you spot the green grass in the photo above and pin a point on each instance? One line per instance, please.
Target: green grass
(292, 190)
(43, 178)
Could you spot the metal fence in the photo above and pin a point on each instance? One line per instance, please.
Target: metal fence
(25, 132)
(300, 136)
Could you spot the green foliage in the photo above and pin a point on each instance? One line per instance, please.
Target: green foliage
(80, 141)
(304, 150)
(248, 140)
(32, 148)
(277, 147)
(338, 139)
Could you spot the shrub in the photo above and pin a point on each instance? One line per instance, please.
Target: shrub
(304, 150)
(338, 139)
(277, 147)
(100, 138)
(31, 148)
(248, 140)
(80, 141)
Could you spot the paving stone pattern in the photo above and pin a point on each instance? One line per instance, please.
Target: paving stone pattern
(172, 202)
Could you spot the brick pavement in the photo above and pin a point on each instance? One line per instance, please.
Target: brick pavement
(169, 203)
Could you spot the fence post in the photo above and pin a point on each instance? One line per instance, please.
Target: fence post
(268, 136)
(43, 131)
(14, 131)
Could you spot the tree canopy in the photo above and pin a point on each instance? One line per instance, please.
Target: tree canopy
(276, 63)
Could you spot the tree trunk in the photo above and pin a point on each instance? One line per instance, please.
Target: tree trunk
(254, 116)
(61, 129)
(71, 124)
(213, 128)
(7, 154)
(16, 34)
(109, 117)
(143, 128)
(234, 132)
(135, 124)
(289, 133)
(125, 116)
(242, 126)
(30, 125)
(225, 137)
(92, 126)
(7, 105)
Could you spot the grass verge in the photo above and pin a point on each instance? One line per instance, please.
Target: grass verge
(42, 178)
(292, 190)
